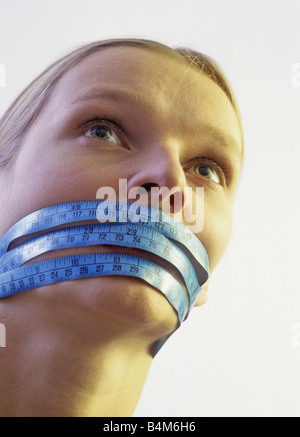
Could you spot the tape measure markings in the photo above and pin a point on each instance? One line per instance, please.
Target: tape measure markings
(71, 212)
(94, 265)
(75, 237)
(146, 229)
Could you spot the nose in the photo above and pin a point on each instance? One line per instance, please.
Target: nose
(160, 175)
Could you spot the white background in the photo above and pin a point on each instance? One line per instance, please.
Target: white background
(239, 355)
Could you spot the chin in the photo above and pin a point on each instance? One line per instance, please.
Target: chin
(125, 304)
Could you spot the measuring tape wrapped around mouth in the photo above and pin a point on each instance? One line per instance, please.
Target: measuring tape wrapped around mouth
(146, 229)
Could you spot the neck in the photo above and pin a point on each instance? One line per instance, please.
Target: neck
(52, 369)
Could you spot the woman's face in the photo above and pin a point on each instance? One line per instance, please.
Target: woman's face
(128, 113)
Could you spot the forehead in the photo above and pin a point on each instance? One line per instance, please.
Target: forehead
(135, 68)
(163, 85)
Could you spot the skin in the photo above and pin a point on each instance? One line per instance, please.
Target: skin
(83, 348)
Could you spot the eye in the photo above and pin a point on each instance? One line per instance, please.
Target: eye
(207, 172)
(210, 170)
(103, 133)
(103, 130)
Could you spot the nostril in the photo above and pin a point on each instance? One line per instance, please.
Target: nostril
(148, 186)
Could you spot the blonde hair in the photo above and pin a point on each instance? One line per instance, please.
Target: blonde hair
(20, 115)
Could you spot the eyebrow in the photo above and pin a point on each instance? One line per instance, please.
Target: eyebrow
(222, 139)
(118, 94)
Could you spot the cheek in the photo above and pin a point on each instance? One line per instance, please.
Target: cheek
(41, 180)
(217, 230)
(37, 181)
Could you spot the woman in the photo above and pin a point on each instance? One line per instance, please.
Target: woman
(119, 109)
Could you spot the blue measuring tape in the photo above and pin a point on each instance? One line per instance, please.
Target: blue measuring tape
(145, 228)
